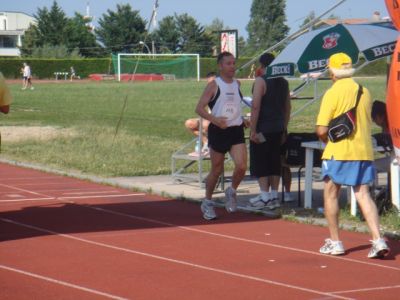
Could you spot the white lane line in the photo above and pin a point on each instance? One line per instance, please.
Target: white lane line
(98, 196)
(23, 190)
(181, 262)
(12, 179)
(25, 199)
(242, 239)
(68, 198)
(60, 282)
(379, 288)
(19, 196)
(88, 193)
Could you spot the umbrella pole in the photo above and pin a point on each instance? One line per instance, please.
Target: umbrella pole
(309, 24)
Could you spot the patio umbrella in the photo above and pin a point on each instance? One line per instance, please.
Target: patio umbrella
(310, 51)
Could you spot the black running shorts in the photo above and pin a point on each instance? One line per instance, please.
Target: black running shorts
(265, 158)
(221, 140)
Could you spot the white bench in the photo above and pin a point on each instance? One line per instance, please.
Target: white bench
(65, 74)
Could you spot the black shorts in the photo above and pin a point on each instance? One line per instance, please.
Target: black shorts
(221, 140)
(265, 158)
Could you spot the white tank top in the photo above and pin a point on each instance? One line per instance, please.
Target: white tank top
(227, 102)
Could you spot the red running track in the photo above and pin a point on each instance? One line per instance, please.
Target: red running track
(63, 238)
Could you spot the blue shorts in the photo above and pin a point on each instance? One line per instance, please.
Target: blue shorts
(349, 172)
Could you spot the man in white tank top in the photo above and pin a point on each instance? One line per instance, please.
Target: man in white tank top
(225, 133)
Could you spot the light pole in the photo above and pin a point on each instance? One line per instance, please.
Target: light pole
(144, 44)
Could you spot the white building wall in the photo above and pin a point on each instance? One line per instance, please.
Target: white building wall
(16, 20)
(13, 24)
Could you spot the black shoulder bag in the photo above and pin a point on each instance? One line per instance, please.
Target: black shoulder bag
(344, 125)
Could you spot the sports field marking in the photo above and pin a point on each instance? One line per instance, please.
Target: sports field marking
(240, 239)
(12, 179)
(203, 231)
(13, 195)
(176, 261)
(60, 282)
(23, 190)
(88, 193)
(66, 190)
(381, 288)
(98, 196)
(25, 199)
(67, 198)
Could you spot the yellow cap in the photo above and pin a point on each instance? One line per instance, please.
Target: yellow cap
(339, 61)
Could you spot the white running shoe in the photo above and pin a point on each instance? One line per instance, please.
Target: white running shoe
(260, 202)
(287, 196)
(379, 249)
(332, 247)
(231, 200)
(207, 208)
(257, 202)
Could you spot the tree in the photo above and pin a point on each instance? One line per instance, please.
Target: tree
(80, 36)
(308, 18)
(121, 30)
(182, 34)
(167, 35)
(49, 51)
(267, 24)
(55, 34)
(192, 38)
(29, 41)
(213, 30)
(51, 25)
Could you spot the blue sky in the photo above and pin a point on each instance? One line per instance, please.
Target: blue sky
(234, 13)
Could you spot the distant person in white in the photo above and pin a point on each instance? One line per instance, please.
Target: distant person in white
(27, 77)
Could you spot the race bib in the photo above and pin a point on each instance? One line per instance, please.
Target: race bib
(230, 111)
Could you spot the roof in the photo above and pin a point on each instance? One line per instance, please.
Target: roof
(345, 21)
(15, 12)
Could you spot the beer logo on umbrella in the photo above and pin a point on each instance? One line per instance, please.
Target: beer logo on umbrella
(330, 40)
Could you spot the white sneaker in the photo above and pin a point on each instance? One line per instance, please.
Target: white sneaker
(257, 202)
(231, 201)
(332, 247)
(379, 249)
(207, 208)
(260, 202)
(287, 196)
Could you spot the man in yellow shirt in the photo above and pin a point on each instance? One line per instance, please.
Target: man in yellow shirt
(5, 96)
(349, 161)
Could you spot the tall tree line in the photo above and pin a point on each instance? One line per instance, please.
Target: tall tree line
(124, 30)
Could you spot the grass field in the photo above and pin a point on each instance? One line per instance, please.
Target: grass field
(151, 126)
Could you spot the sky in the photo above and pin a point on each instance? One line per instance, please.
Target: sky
(234, 13)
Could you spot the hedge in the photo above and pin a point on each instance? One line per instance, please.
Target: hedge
(45, 68)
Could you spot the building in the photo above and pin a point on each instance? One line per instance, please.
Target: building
(12, 27)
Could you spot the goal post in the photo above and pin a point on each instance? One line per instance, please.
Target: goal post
(180, 66)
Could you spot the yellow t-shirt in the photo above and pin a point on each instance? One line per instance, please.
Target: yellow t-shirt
(338, 99)
(5, 96)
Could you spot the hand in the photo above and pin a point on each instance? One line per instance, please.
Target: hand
(221, 122)
(254, 137)
(246, 122)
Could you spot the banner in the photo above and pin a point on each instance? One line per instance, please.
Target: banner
(393, 88)
(229, 41)
(393, 7)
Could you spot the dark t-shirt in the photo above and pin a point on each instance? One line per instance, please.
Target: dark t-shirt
(272, 111)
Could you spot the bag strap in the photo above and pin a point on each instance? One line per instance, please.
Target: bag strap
(359, 93)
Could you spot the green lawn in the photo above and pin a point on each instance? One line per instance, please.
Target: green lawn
(151, 127)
